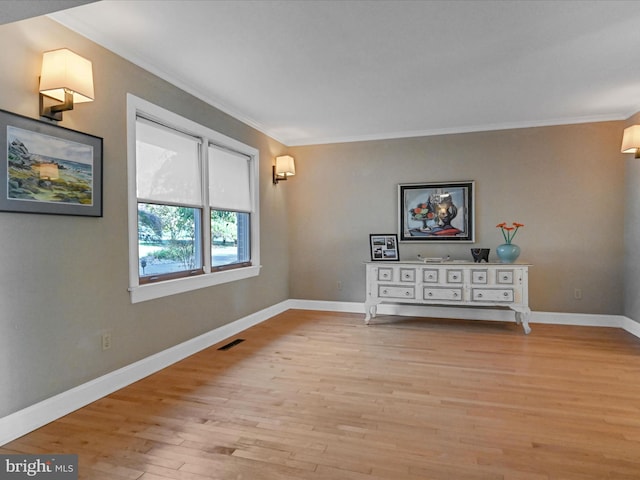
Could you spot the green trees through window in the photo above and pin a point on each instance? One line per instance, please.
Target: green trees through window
(168, 239)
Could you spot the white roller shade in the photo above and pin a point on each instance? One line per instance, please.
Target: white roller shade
(229, 180)
(167, 165)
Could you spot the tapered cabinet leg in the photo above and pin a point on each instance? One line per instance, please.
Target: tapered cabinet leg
(370, 312)
(522, 317)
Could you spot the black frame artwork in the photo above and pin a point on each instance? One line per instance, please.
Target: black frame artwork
(49, 169)
(384, 247)
(436, 212)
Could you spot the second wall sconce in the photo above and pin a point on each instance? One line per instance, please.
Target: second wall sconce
(631, 140)
(284, 168)
(66, 77)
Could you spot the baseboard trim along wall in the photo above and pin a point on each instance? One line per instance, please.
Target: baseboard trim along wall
(502, 315)
(35, 416)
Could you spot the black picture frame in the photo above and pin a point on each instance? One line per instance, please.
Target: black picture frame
(436, 212)
(384, 247)
(48, 169)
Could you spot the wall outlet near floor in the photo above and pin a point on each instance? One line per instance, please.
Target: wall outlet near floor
(339, 285)
(577, 294)
(106, 341)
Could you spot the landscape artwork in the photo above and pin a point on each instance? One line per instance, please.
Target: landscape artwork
(48, 169)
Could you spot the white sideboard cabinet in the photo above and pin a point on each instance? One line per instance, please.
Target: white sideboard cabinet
(449, 284)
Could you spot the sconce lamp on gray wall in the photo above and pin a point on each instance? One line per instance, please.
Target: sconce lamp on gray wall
(284, 168)
(631, 140)
(66, 77)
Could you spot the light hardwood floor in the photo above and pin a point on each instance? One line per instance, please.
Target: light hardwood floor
(321, 396)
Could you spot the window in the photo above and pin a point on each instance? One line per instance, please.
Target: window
(169, 197)
(193, 208)
(230, 202)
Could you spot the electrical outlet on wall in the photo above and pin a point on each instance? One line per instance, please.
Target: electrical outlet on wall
(577, 293)
(106, 341)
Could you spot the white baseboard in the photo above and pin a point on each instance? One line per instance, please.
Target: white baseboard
(578, 319)
(35, 416)
(503, 315)
(630, 326)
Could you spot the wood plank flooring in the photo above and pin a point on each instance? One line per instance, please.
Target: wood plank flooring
(320, 396)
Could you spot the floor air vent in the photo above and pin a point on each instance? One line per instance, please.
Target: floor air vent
(231, 344)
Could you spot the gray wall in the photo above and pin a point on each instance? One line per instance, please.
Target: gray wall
(63, 280)
(632, 233)
(565, 183)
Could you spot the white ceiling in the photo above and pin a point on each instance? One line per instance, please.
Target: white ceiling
(308, 72)
(14, 10)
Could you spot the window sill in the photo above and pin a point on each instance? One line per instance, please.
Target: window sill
(150, 291)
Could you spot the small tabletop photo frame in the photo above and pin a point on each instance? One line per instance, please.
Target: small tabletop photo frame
(384, 247)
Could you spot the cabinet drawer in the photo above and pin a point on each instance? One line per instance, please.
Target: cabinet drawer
(479, 276)
(390, 291)
(454, 276)
(492, 295)
(450, 294)
(504, 277)
(430, 275)
(407, 275)
(385, 274)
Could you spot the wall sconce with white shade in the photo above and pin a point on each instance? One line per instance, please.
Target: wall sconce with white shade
(284, 168)
(66, 77)
(631, 140)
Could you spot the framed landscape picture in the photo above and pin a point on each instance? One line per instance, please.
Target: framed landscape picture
(48, 169)
(436, 212)
(384, 247)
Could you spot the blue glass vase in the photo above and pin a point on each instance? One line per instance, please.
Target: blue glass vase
(508, 252)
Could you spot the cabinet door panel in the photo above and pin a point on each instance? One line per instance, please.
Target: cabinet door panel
(454, 276)
(430, 275)
(450, 294)
(492, 295)
(391, 291)
(407, 275)
(504, 277)
(479, 276)
(385, 274)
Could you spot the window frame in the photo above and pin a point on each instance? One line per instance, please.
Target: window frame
(148, 291)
